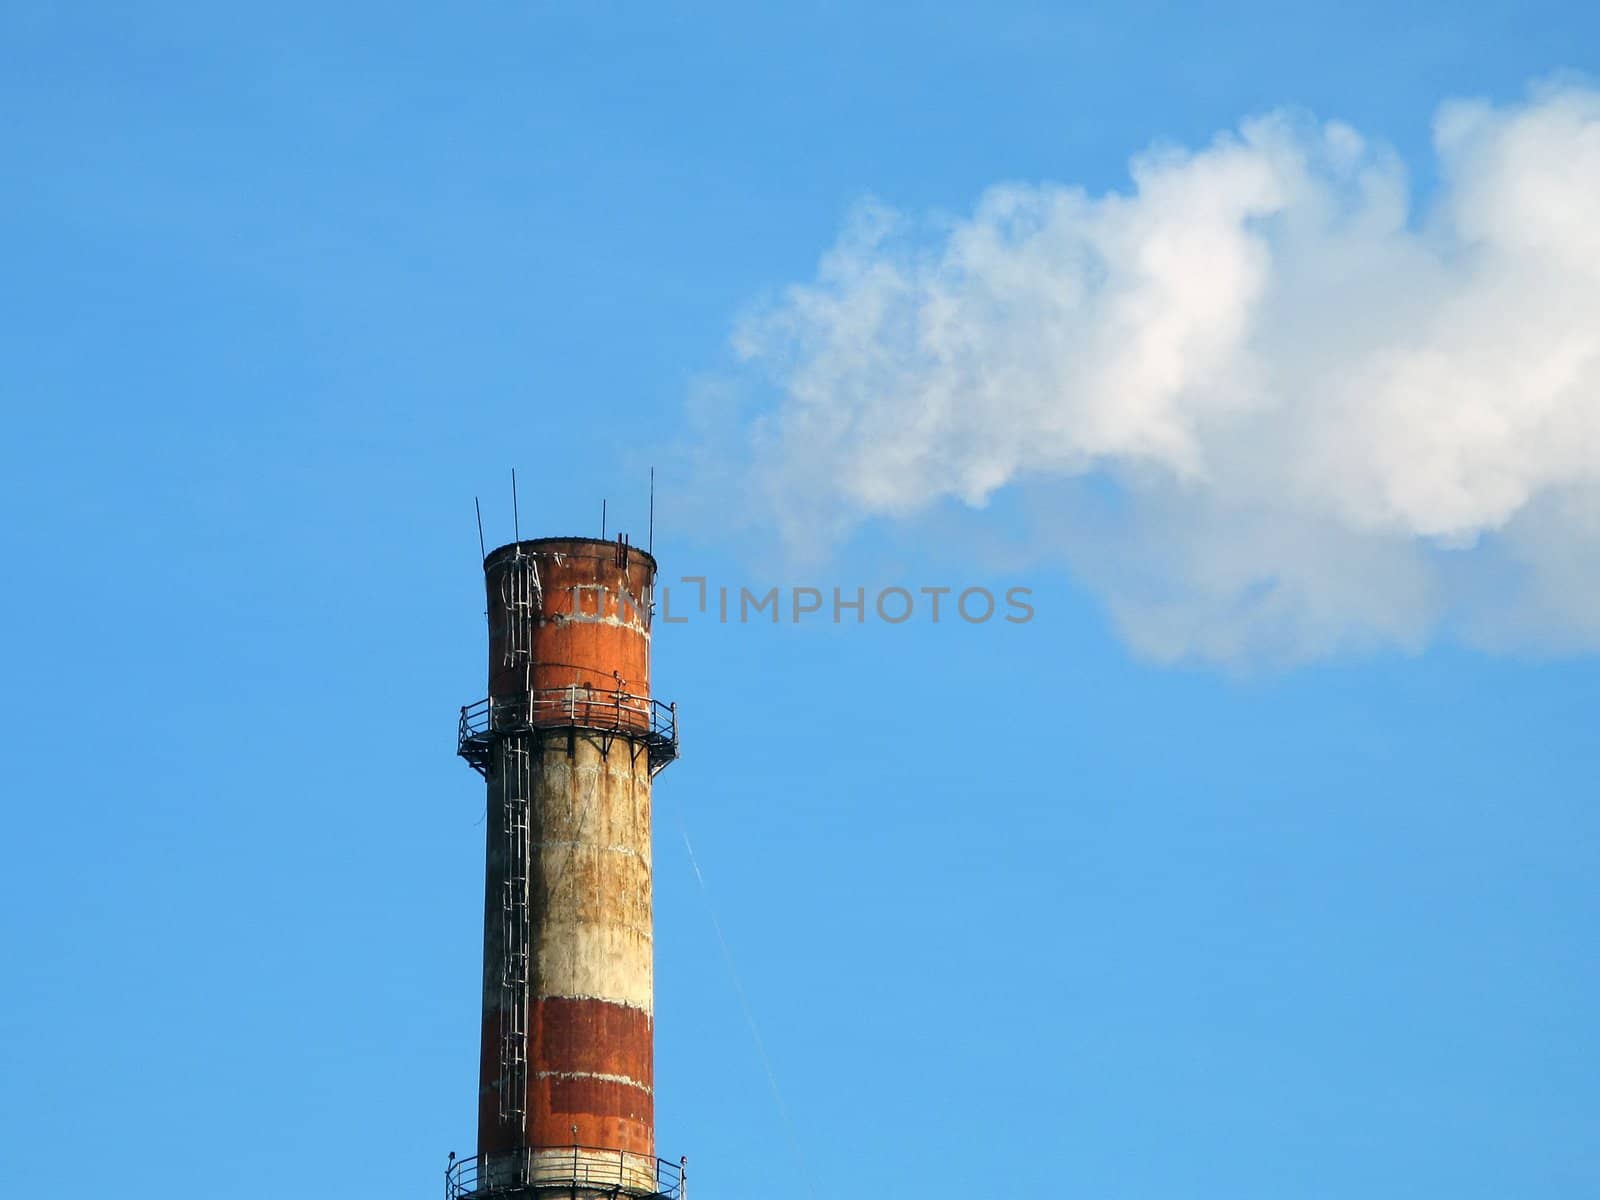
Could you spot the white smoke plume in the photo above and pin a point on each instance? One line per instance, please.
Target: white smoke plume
(1266, 408)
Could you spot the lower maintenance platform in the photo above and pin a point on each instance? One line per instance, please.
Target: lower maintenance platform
(575, 1172)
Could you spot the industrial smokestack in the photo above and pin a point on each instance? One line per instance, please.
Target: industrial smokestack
(568, 742)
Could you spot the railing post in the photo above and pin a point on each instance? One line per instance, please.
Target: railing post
(683, 1178)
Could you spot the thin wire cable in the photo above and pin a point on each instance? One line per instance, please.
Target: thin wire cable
(744, 1005)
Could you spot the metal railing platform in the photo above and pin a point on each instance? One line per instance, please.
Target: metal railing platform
(588, 1171)
(573, 707)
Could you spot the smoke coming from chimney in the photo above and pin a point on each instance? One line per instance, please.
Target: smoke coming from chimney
(1265, 406)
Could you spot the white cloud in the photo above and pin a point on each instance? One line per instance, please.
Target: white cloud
(1330, 423)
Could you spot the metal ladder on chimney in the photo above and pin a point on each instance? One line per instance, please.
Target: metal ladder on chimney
(522, 594)
(516, 763)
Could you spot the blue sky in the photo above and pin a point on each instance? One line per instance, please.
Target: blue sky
(1015, 907)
